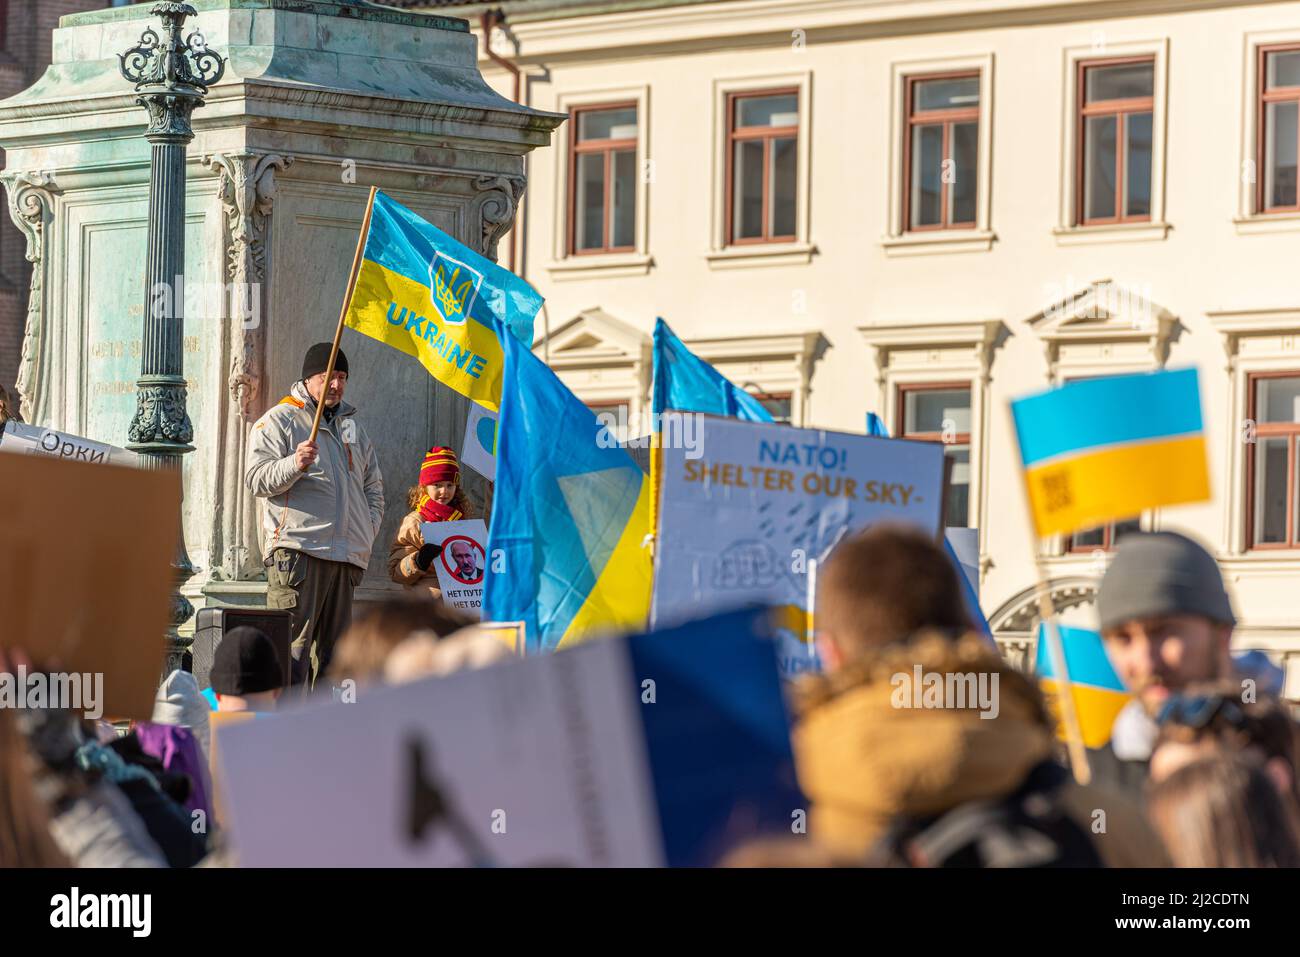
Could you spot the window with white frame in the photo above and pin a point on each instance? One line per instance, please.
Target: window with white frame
(1269, 194)
(1263, 348)
(1113, 161)
(932, 382)
(940, 171)
(761, 171)
(940, 412)
(601, 185)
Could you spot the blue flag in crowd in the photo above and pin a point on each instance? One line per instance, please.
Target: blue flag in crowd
(570, 515)
(682, 380)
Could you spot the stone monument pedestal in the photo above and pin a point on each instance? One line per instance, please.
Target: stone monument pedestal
(320, 101)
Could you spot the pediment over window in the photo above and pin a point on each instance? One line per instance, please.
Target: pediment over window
(1104, 320)
(593, 337)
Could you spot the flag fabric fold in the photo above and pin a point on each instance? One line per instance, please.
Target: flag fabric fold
(433, 298)
(571, 511)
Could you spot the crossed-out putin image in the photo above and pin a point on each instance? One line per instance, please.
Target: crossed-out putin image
(462, 556)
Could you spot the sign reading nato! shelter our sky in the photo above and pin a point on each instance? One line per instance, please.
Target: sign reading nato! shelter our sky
(743, 510)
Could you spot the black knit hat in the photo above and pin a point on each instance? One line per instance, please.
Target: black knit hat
(245, 663)
(318, 357)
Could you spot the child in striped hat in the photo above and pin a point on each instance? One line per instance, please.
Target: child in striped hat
(438, 498)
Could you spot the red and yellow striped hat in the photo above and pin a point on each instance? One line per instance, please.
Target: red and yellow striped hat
(440, 465)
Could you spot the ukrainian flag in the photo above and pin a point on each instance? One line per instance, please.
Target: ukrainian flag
(1098, 693)
(570, 513)
(425, 294)
(683, 381)
(1104, 449)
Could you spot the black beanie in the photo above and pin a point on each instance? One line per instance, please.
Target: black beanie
(245, 663)
(318, 357)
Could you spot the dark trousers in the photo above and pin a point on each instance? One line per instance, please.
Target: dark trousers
(318, 596)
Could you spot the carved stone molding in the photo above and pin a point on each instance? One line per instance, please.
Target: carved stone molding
(1019, 614)
(247, 194)
(31, 205)
(496, 208)
(161, 416)
(1015, 623)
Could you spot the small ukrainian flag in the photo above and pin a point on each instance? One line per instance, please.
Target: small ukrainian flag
(1104, 449)
(1098, 693)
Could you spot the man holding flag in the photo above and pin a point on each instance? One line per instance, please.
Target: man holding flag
(324, 502)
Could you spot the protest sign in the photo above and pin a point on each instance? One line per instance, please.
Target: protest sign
(480, 451)
(748, 509)
(658, 749)
(460, 564)
(34, 440)
(87, 591)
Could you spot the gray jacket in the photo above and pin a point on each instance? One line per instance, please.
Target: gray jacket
(334, 509)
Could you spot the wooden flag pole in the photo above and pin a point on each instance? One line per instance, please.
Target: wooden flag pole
(1064, 689)
(1055, 650)
(343, 312)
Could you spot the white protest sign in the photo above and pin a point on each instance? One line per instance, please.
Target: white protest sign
(526, 763)
(747, 510)
(479, 452)
(460, 564)
(34, 440)
(656, 749)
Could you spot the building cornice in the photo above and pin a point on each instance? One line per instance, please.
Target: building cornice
(541, 32)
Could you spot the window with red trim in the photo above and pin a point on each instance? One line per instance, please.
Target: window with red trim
(941, 412)
(1272, 516)
(941, 151)
(762, 162)
(1116, 108)
(1279, 130)
(602, 179)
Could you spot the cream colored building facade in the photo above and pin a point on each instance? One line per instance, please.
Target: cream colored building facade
(861, 296)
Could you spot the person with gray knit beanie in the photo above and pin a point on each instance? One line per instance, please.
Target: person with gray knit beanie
(1167, 622)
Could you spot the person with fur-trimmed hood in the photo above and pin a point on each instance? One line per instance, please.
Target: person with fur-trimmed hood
(921, 746)
(439, 497)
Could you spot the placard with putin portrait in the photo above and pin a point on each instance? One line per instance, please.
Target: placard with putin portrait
(461, 563)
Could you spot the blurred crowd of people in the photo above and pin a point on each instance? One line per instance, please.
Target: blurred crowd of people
(1200, 771)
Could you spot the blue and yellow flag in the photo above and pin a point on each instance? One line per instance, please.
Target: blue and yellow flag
(1104, 449)
(683, 381)
(570, 514)
(425, 294)
(1098, 693)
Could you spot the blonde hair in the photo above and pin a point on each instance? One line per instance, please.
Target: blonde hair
(459, 501)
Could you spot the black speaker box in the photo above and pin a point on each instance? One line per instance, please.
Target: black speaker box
(212, 623)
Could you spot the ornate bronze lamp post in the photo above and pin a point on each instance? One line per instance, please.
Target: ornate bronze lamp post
(172, 76)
